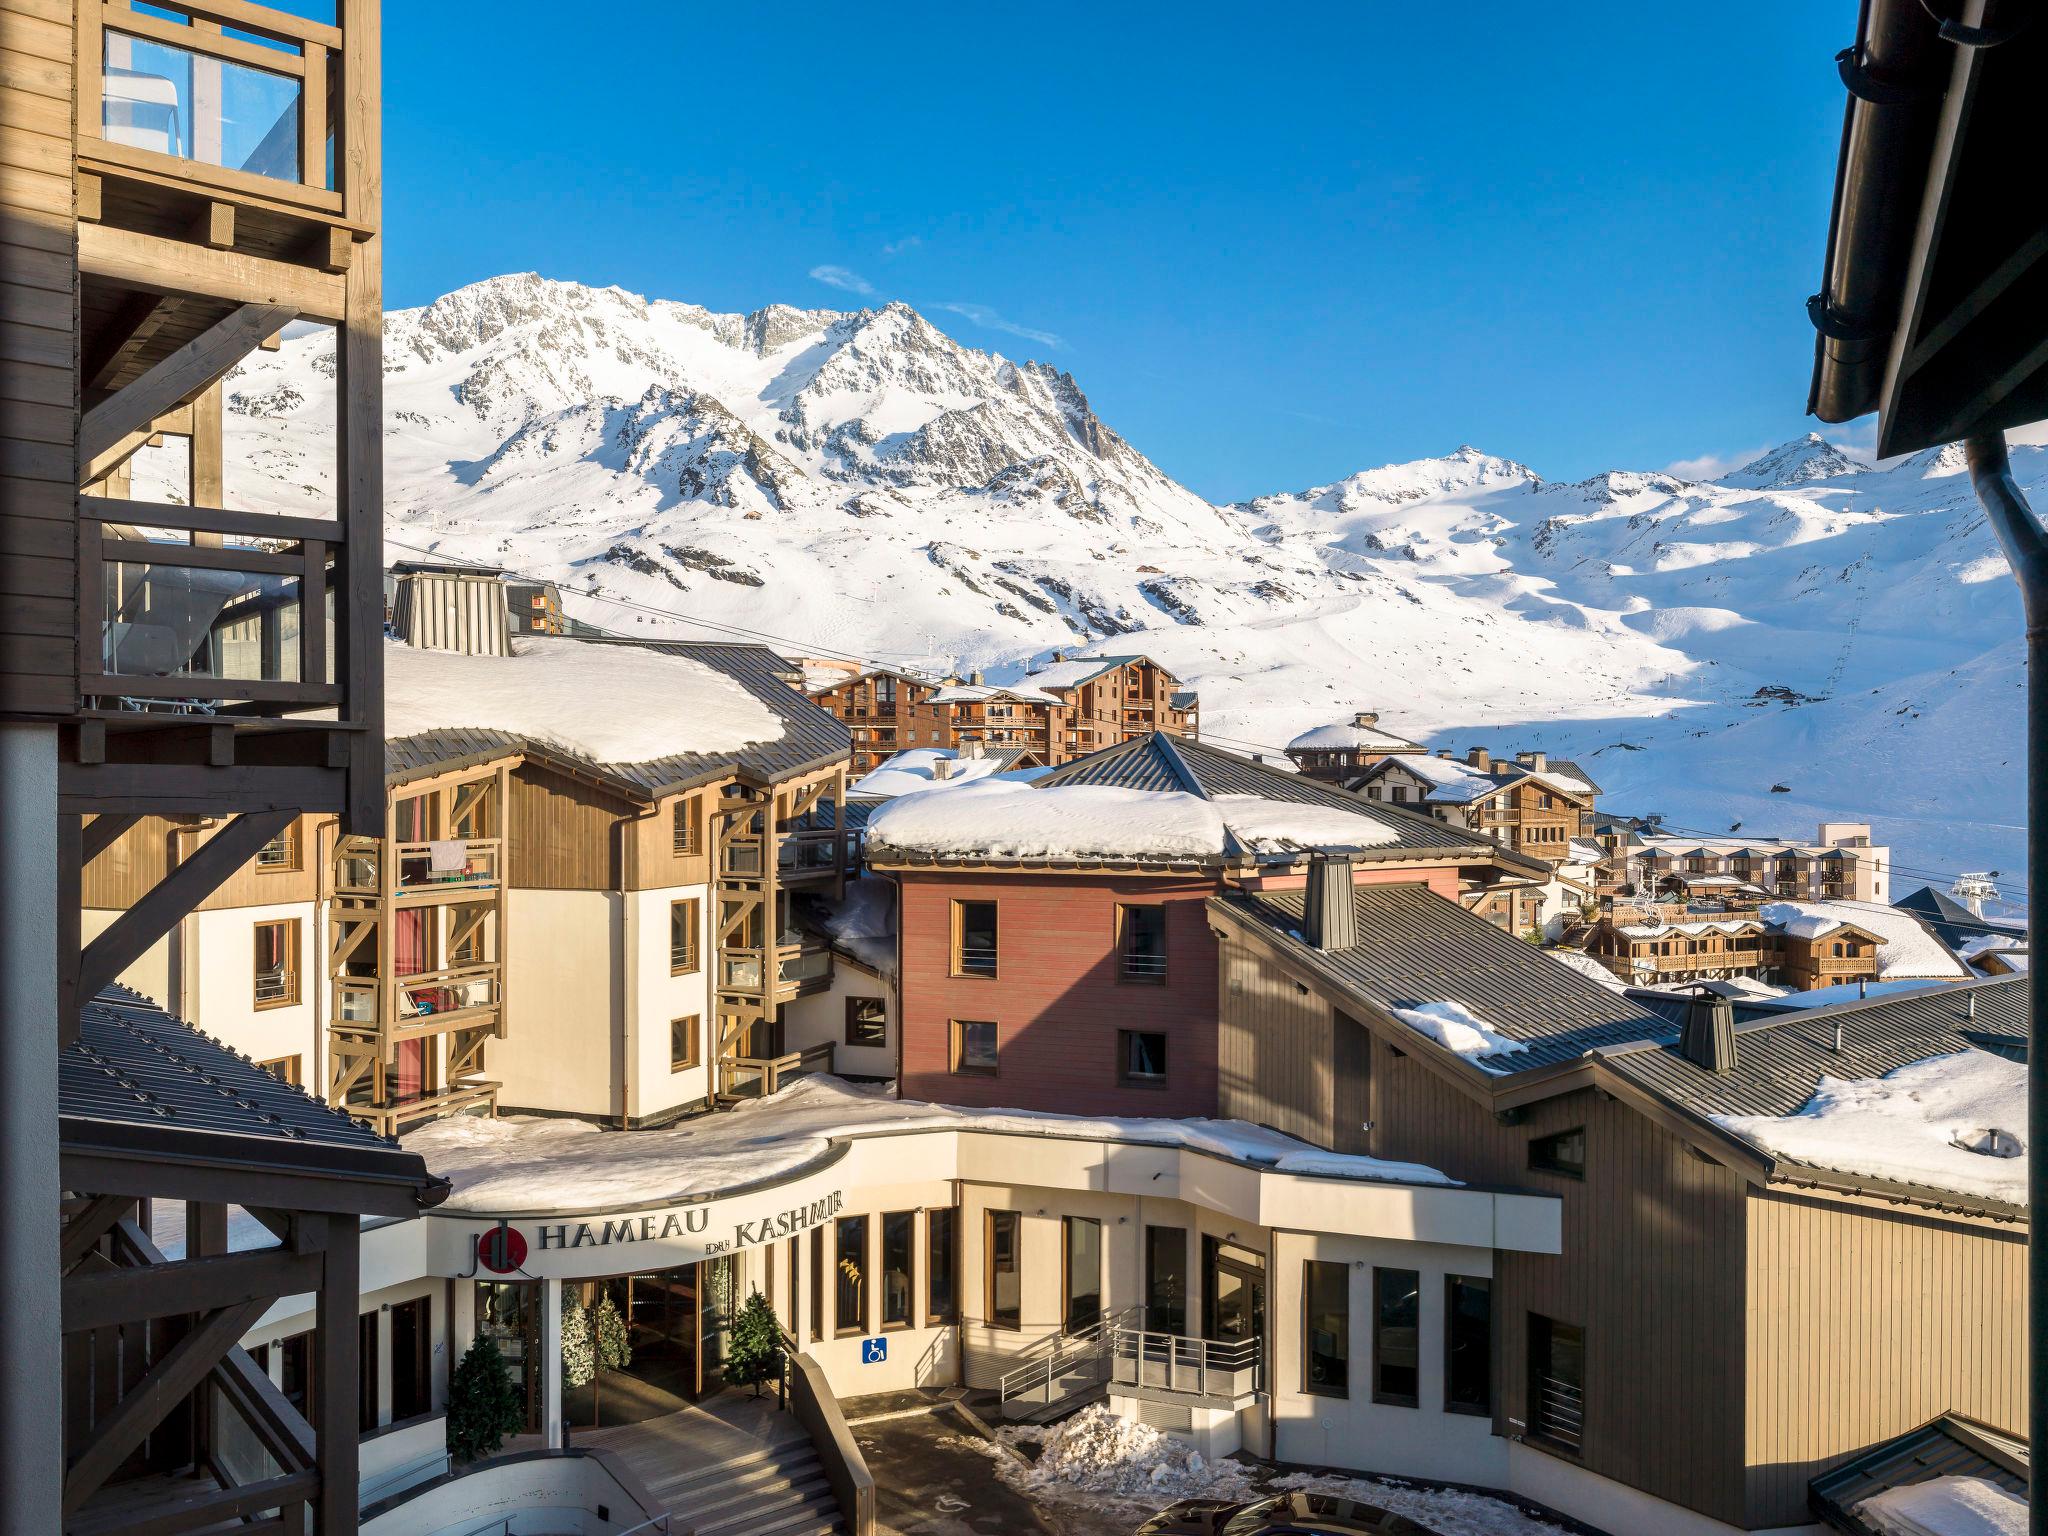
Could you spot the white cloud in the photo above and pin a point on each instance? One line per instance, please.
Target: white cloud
(1711, 466)
(982, 315)
(843, 277)
(898, 247)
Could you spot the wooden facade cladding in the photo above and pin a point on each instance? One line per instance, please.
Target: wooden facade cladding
(135, 862)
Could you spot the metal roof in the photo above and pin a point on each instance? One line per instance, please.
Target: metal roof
(811, 737)
(1415, 946)
(1949, 1446)
(140, 1082)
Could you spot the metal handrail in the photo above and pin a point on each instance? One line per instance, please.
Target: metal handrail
(1176, 1354)
(1068, 1350)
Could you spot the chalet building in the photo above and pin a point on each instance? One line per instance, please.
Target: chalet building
(535, 607)
(1339, 752)
(1054, 948)
(1538, 806)
(884, 712)
(1840, 864)
(1721, 1327)
(1110, 699)
(1659, 953)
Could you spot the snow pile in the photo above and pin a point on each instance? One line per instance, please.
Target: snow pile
(1907, 947)
(906, 773)
(538, 1166)
(1283, 826)
(608, 703)
(1349, 736)
(1070, 821)
(1951, 1122)
(1578, 960)
(863, 923)
(1946, 1506)
(1457, 1028)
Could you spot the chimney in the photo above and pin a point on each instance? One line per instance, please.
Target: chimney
(974, 678)
(972, 748)
(942, 769)
(1480, 758)
(1535, 762)
(1059, 655)
(1708, 1037)
(1445, 753)
(1327, 918)
(1366, 717)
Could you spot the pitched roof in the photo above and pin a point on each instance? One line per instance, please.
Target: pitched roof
(1416, 947)
(1950, 921)
(1453, 781)
(1950, 1446)
(1077, 670)
(1160, 761)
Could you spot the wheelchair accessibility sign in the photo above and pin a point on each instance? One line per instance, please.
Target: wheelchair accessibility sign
(873, 1351)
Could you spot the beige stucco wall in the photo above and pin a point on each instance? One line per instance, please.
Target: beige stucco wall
(654, 998)
(563, 1003)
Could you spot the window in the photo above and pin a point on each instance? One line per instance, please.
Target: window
(1326, 1328)
(1166, 1279)
(1468, 1344)
(286, 1069)
(1557, 1382)
(817, 1284)
(899, 1241)
(850, 1274)
(867, 1021)
(366, 1371)
(1141, 944)
(683, 1035)
(1564, 1152)
(281, 852)
(974, 1048)
(942, 1265)
(412, 1358)
(295, 1379)
(1141, 1058)
(682, 936)
(277, 963)
(685, 828)
(974, 938)
(1005, 1274)
(1396, 1337)
(1081, 1271)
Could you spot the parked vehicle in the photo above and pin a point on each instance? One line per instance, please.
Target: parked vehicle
(1288, 1514)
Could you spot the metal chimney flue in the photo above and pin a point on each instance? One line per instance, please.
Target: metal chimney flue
(1328, 919)
(1708, 1037)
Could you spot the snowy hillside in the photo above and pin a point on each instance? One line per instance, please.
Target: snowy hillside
(862, 483)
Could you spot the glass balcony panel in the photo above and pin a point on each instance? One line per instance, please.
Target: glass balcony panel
(187, 621)
(742, 972)
(743, 858)
(184, 102)
(805, 965)
(358, 1005)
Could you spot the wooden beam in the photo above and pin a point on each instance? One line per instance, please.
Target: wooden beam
(132, 933)
(157, 264)
(215, 225)
(336, 1373)
(169, 1382)
(128, 413)
(278, 1427)
(115, 343)
(102, 832)
(210, 1509)
(186, 1285)
(89, 1226)
(89, 198)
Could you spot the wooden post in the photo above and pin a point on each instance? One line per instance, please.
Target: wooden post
(336, 1383)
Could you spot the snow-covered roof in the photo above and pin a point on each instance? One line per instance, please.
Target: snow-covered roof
(1451, 782)
(1584, 850)
(1905, 946)
(916, 769)
(1824, 997)
(1076, 670)
(1692, 930)
(863, 922)
(545, 1165)
(609, 704)
(1086, 822)
(1457, 1028)
(1588, 967)
(981, 693)
(1956, 1122)
(1350, 736)
(1945, 1506)
(1758, 847)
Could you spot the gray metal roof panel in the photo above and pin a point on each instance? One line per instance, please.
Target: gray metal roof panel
(1948, 1447)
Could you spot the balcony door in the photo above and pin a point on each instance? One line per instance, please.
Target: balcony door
(1233, 1292)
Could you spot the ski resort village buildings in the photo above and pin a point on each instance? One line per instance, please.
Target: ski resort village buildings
(1338, 752)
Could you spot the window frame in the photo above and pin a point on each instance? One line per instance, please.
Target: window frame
(421, 1367)
(293, 1067)
(1125, 1077)
(1068, 1225)
(693, 1058)
(292, 863)
(957, 1049)
(988, 1267)
(1120, 935)
(686, 830)
(1543, 1328)
(1309, 1387)
(818, 1285)
(693, 960)
(881, 1024)
(950, 1222)
(1484, 1285)
(1381, 1394)
(1541, 1162)
(909, 1318)
(956, 968)
(294, 992)
(1150, 1278)
(864, 1291)
(369, 1369)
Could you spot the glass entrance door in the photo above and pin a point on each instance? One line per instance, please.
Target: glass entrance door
(1233, 1291)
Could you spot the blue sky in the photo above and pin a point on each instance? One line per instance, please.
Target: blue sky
(1274, 245)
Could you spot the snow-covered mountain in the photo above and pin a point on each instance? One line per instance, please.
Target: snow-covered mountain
(860, 482)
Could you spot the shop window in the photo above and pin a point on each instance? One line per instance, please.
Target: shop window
(682, 936)
(366, 1371)
(1166, 1279)
(684, 1035)
(1396, 1337)
(685, 822)
(1005, 1298)
(281, 853)
(974, 938)
(974, 1048)
(1141, 1058)
(1468, 1344)
(899, 1243)
(1141, 944)
(850, 1274)
(942, 1265)
(1557, 1382)
(1564, 1152)
(1081, 1271)
(277, 963)
(412, 1358)
(867, 1021)
(1326, 1328)
(817, 1284)
(286, 1069)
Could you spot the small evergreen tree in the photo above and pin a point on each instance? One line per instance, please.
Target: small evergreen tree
(579, 1355)
(483, 1404)
(609, 1332)
(754, 1353)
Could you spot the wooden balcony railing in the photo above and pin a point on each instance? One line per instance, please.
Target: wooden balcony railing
(389, 1119)
(798, 968)
(747, 1077)
(416, 875)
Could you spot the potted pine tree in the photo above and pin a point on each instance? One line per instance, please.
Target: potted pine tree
(754, 1353)
(483, 1404)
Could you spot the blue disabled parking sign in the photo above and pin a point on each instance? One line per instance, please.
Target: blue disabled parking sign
(873, 1351)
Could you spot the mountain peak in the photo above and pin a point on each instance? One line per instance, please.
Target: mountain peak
(1798, 462)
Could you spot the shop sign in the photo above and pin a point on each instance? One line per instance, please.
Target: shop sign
(503, 1248)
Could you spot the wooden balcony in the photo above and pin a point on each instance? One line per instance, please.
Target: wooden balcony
(800, 969)
(758, 1077)
(418, 882)
(389, 1119)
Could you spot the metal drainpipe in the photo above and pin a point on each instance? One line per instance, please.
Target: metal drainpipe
(2026, 550)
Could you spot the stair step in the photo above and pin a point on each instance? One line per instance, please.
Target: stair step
(737, 1468)
(797, 1484)
(816, 1506)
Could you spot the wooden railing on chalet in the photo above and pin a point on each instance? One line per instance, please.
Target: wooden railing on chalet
(751, 1077)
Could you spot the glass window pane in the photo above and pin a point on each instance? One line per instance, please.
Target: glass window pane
(976, 954)
(1142, 949)
(184, 621)
(899, 1229)
(1005, 1279)
(1397, 1316)
(1326, 1330)
(1166, 1279)
(942, 1267)
(184, 102)
(851, 1274)
(1083, 1265)
(974, 1048)
(1468, 1345)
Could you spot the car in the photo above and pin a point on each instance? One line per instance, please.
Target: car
(1287, 1514)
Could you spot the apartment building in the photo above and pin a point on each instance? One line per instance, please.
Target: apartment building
(1721, 1326)
(1338, 753)
(884, 712)
(1842, 863)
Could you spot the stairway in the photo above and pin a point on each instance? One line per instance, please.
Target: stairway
(780, 1491)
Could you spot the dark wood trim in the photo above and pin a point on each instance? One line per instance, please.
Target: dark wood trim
(89, 1226)
(186, 1285)
(200, 1511)
(278, 1427)
(335, 1381)
(260, 525)
(102, 832)
(171, 789)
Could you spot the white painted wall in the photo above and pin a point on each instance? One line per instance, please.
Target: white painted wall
(813, 1020)
(563, 1042)
(654, 998)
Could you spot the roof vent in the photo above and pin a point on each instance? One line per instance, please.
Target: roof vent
(1328, 920)
(1479, 758)
(942, 769)
(970, 748)
(1708, 1038)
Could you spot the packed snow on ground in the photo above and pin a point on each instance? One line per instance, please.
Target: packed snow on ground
(863, 922)
(608, 703)
(1456, 1027)
(1282, 826)
(1908, 948)
(1097, 1460)
(1941, 1123)
(538, 1166)
(909, 772)
(1578, 960)
(1946, 1506)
